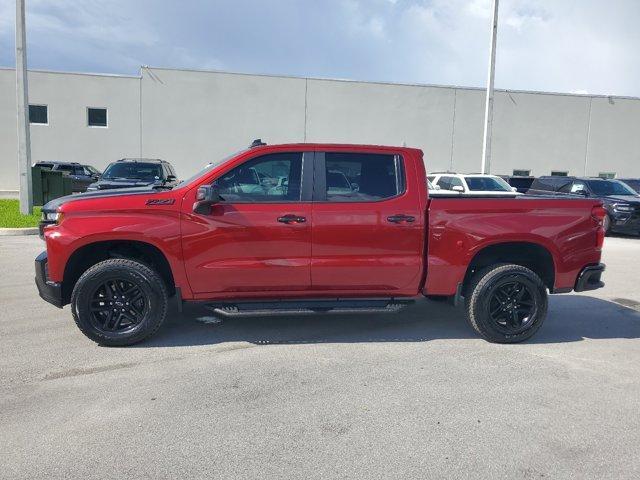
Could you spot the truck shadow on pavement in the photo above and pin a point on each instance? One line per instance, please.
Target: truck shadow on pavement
(571, 318)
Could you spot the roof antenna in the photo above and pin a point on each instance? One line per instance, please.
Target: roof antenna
(257, 143)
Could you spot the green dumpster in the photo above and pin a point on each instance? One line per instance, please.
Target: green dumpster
(48, 184)
(36, 186)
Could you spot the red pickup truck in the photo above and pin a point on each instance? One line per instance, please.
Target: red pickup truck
(307, 228)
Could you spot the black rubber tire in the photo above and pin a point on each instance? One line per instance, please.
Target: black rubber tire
(477, 302)
(140, 274)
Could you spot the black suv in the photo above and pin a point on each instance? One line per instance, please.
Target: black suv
(136, 172)
(634, 183)
(82, 175)
(522, 184)
(620, 201)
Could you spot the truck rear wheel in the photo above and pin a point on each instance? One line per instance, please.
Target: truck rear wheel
(119, 302)
(506, 303)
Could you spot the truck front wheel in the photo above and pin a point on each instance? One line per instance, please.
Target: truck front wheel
(119, 302)
(506, 303)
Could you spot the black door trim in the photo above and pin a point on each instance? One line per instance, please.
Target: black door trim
(319, 178)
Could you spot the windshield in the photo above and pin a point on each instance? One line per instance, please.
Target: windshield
(609, 187)
(134, 171)
(92, 169)
(487, 184)
(208, 167)
(634, 184)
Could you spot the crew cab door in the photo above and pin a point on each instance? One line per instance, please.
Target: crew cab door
(368, 223)
(258, 238)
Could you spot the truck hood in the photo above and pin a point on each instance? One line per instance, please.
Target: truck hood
(121, 183)
(633, 199)
(53, 205)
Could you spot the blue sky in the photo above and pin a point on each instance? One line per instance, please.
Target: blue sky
(583, 46)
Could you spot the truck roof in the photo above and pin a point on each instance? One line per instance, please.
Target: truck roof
(353, 146)
(146, 160)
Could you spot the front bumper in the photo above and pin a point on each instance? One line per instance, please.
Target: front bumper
(49, 291)
(589, 278)
(625, 222)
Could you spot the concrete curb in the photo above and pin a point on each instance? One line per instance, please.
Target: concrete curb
(12, 232)
(9, 194)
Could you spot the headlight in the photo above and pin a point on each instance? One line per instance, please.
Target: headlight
(623, 207)
(51, 217)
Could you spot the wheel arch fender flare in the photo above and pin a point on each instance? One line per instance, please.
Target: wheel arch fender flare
(533, 255)
(88, 253)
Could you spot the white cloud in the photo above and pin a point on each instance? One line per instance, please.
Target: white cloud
(557, 45)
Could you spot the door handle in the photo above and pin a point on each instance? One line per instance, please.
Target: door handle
(291, 219)
(401, 218)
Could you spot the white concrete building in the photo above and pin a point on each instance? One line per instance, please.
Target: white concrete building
(190, 117)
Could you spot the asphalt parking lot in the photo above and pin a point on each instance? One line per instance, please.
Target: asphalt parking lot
(414, 395)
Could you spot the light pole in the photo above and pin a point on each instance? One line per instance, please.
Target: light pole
(488, 110)
(22, 106)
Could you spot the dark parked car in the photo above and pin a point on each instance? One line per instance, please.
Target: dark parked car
(136, 172)
(621, 202)
(82, 175)
(634, 183)
(521, 184)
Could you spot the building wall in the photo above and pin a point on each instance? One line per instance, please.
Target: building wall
(614, 139)
(354, 112)
(8, 132)
(67, 136)
(193, 117)
(540, 132)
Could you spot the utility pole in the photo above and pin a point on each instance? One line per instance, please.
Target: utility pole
(488, 110)
(22, 107)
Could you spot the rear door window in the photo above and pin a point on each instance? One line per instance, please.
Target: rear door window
(444, 183)
(66, 169)
(551, 184)
(487, 184)
(578, 186)
(456, 182)
(362, 177)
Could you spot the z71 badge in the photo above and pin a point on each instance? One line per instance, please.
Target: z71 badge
(160, 201)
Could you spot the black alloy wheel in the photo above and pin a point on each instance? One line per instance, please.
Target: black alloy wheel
(118, 305)
(119, 302)
(506, 303)
(512, 306)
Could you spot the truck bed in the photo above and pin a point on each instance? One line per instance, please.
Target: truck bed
(460, 227)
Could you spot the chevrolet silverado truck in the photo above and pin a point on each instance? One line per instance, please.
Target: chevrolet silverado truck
(308, 228)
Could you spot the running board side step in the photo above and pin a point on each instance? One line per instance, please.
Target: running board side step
(308, 307)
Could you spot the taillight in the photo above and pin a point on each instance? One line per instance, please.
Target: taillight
(598, 213)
